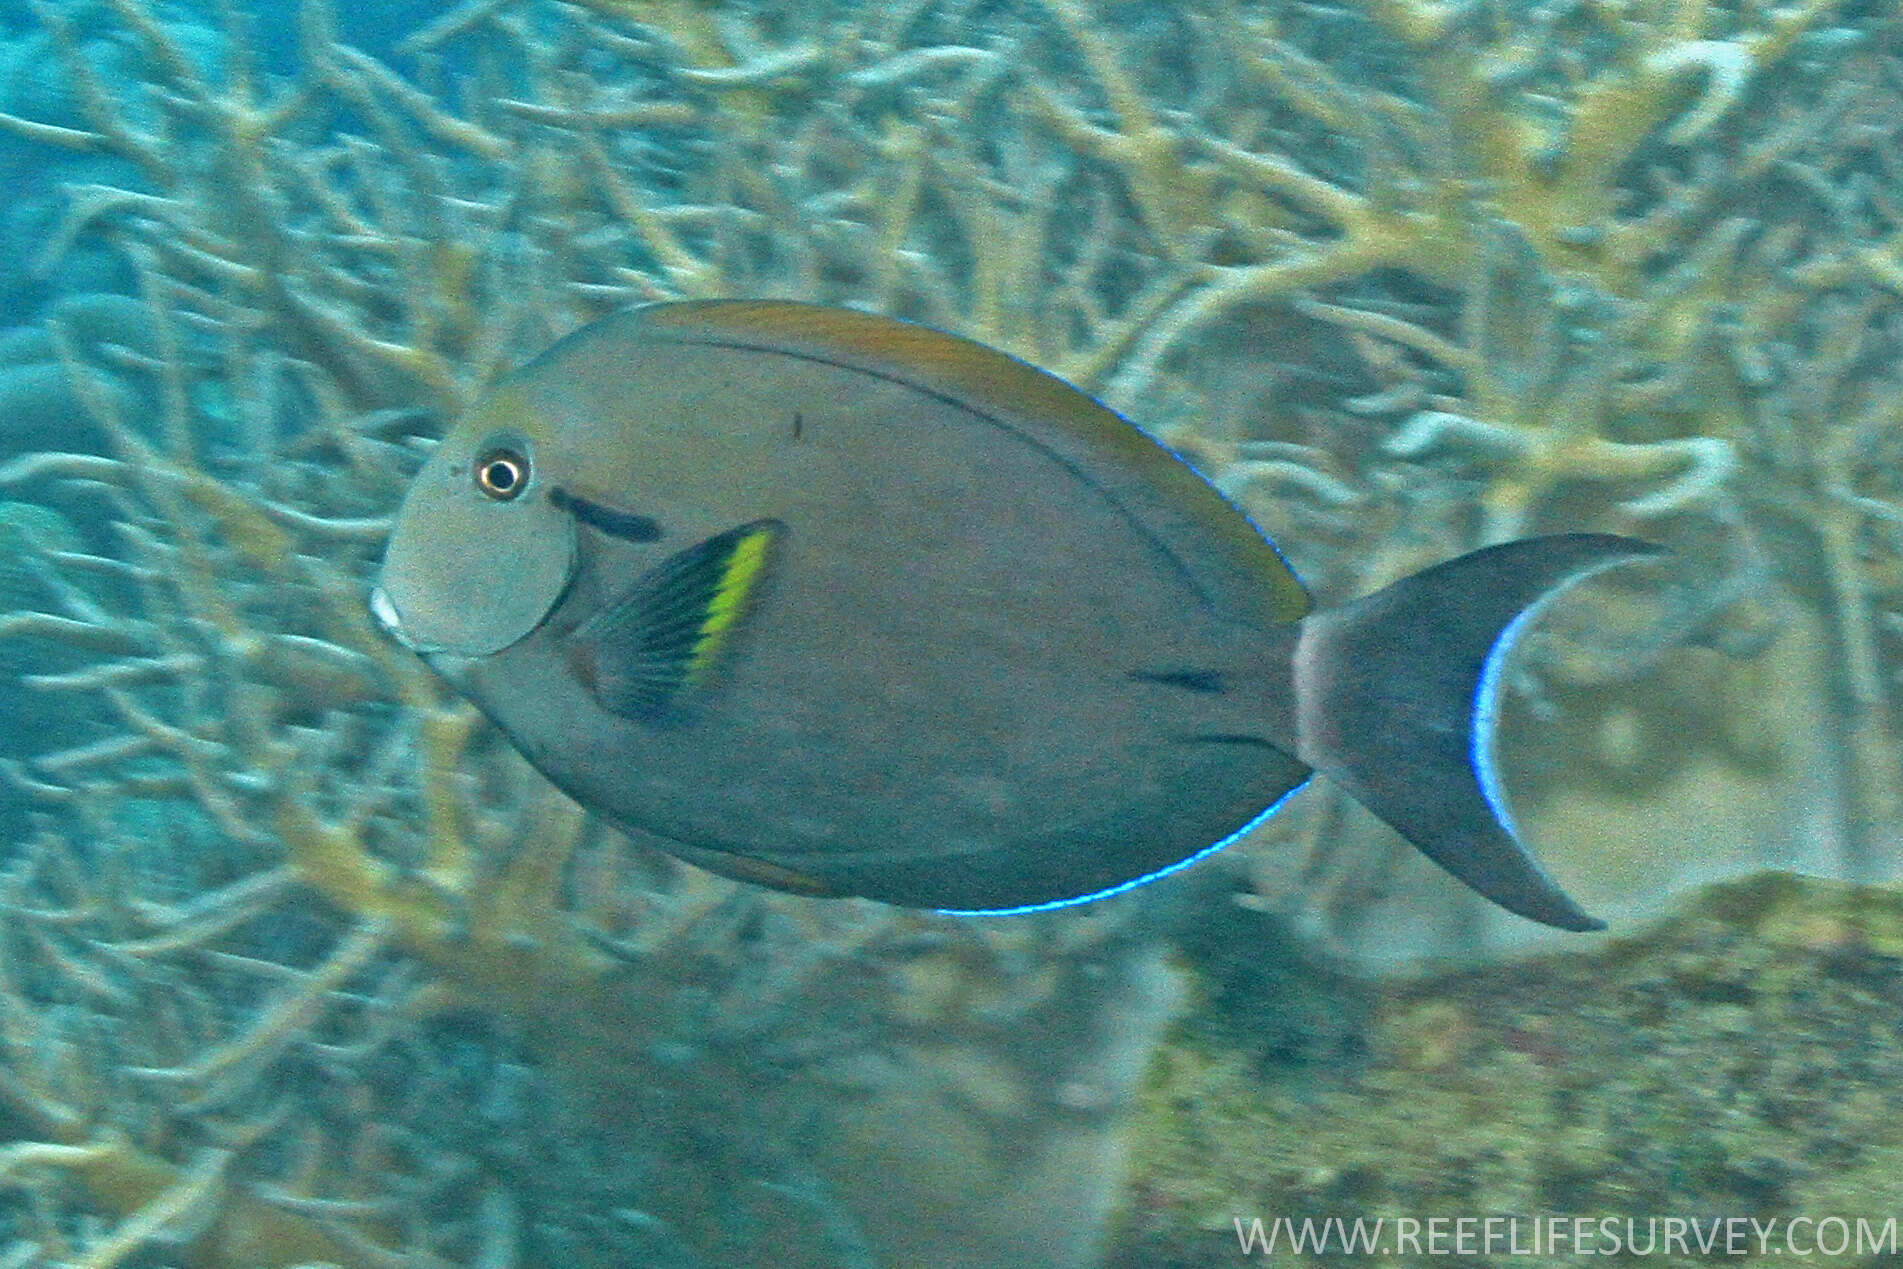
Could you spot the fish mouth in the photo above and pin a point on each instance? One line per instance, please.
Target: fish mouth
(386, 615)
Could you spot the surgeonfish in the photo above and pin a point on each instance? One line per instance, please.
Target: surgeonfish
(844, 605)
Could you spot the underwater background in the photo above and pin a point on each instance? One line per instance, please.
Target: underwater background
(300, 964)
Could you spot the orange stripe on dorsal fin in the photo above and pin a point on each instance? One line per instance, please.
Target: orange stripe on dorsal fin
(1153, 485)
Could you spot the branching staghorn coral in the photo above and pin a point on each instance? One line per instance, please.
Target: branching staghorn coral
(297, 805)
(1525, 138)
(1570, 259)
(1404, 277)
(296, 854)
(1831, 499)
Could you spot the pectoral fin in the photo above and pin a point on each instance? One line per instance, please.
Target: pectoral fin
(666, 636)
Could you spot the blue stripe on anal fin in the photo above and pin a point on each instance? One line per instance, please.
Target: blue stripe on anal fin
(1048, 905)
(1399, 697)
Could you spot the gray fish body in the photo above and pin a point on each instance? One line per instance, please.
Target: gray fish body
(849, 607)
(931, 698)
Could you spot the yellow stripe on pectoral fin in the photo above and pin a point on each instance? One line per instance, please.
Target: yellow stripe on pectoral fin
(666, 636)
(745, 561)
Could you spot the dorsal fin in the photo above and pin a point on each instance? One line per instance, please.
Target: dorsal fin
(1231, 563)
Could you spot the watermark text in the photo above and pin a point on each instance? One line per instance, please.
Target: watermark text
(1548, 1235)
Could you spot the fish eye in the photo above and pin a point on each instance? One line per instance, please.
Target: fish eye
(502, 474)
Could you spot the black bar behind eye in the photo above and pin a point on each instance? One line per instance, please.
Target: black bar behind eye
(621, 524)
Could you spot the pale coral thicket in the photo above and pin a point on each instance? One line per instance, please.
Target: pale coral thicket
(292, 945)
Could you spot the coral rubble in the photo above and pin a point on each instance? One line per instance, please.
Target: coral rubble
(1741, 1058)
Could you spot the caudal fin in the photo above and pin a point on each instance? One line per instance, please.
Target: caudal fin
(1397, 695)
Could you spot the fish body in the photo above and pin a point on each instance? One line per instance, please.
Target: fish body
(844, 605)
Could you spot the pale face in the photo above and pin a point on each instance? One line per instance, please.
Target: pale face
(480, 552)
